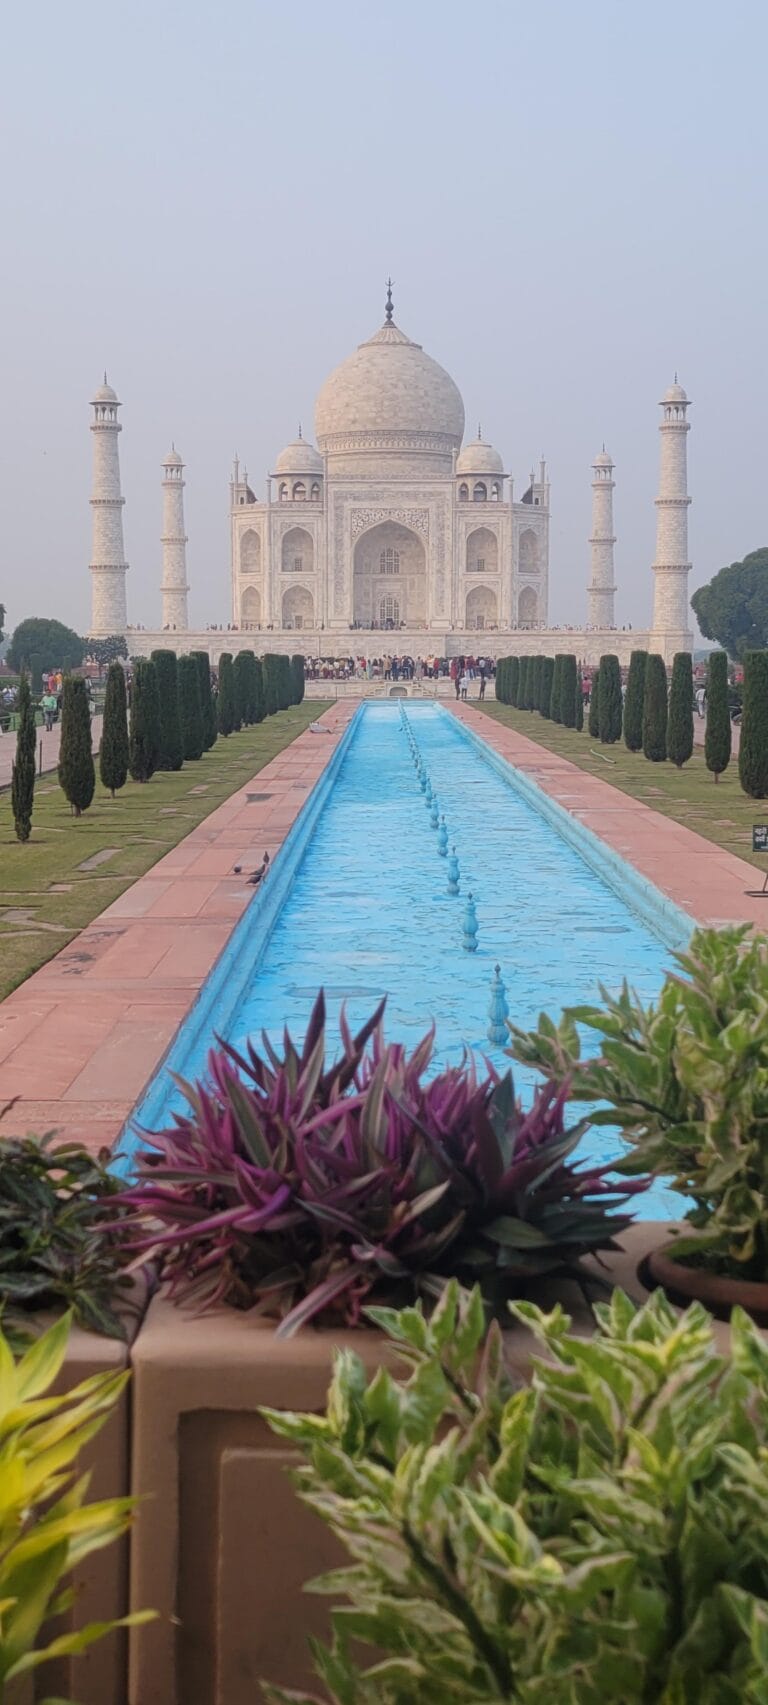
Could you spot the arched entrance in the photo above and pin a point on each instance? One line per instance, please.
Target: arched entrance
(250, 606)
(482, 609)
(389, 582)
(298, 608)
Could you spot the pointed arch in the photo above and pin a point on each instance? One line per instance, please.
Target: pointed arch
(482, 551)
(298, 608)
(482, 607)
(529, 552)
(250, 606)
(528, 607)
(250, 552)
(297, 551)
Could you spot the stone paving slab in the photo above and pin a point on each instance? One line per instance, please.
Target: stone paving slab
(81, 1038)
(700, 877)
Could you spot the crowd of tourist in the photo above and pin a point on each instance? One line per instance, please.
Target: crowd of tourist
(390, 667)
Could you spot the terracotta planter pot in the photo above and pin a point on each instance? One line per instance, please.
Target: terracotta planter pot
(684, 1285)
(221, 1546)
(97, 1676)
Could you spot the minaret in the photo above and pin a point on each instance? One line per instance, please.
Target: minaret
(671, 621)
(108, 564)
(174, 587)
(601, 588)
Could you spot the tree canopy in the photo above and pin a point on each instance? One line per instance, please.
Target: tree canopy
(733, 608)
(51, 643)
(108, 650)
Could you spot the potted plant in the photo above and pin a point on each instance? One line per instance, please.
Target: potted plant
(595, 1535)
(306, 1190)
(47, 1527)
(685, 1080)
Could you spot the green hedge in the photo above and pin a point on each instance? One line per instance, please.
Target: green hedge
(680, 719)
(753, 746)
(655, 710)
(226, 712)
(717, 738)
(609, 705)
(171, 753)
(113, 752)
(633, 703)
(144, 739)
(190, 709)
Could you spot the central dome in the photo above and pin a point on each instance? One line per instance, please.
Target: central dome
(389, 395)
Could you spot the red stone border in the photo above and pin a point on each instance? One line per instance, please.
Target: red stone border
(700, 877)
(81, 1037)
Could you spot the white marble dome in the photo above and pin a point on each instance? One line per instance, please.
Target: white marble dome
(603, 459)
(300, 457)
(173, 459)
(104, 394)
(389, 393)
(675, 394)
(479, 458)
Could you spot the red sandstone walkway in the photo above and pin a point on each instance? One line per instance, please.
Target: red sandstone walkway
(81, 1038)
(702, 878)
(50, 745)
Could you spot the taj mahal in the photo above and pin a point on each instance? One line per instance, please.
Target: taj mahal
(392, 531)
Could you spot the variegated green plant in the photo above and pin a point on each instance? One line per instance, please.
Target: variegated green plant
(685, 1080)
(596, 1537)
(46, 1525)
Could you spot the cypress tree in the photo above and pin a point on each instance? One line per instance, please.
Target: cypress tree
(547, 673)
(717, 738)
(284, 682)
(655, 710)
(535, 682)
(259, 711)
(171, 753)
(226, 705)
(530, 683)
(633, 702)
(501, 663)
(579, 705)
(76, 772)
(593, 724)
(513, 681)
(753, 747)
(271, 699)
(113, 755)
(680, 722)
(555, 695)
(242, 688)
(525, 669)
(207, 700)
(144, 739)
(568, 680)
(23, 773)
(190, 709)
(609, 705)
(297, 678)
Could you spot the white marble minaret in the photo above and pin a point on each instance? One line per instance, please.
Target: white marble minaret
(108, 564)
(174, 588)
(601, 589)
(671, 620)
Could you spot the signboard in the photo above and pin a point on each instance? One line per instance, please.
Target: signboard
(760, 837)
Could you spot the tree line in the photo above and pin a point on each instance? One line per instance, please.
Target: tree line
(655, 715)
(176, 714)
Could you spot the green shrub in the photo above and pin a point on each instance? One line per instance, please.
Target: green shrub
(297, 678)
(547, 673)
(226, 701)
(284, 684)
(579, 722)
(595, 1537)
(243, 688)
(680, 720)
(258, 690)
(633, 703)
(144, 739)
(593, 725)
(685, 1080)
(207, 699)
(568, 684)
(23, 773)
(171, 753)
(753, 747)
(609, 705)
(77, 775)
(271, 695)
(717, 738)
(555, 697)
(655, 710)
(513, 682)
(190, 709)
(113, 752)
(47, 1529)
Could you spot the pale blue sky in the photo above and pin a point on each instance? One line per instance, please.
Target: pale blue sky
(207, 199)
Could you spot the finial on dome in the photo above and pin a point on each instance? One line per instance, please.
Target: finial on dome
(675, 375)
(106, 380)
(299, 431)
(479, 433)
(389, 310)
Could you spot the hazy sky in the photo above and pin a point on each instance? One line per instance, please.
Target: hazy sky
(206, 200)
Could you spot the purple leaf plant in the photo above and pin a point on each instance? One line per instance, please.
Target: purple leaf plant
(308, 1191)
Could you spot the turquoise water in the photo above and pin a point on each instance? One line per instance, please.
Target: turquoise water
(368, 914)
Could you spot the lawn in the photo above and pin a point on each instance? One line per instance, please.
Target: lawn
(720, 812)
(46, 895)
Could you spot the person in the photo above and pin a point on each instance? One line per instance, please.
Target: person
(464, 683)
(482, 682)
(50, 707)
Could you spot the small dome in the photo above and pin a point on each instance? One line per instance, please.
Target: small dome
(300, 457)
(173, 459)
(603, 459)
(105, 393)
(675, 394)
(479, 458)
